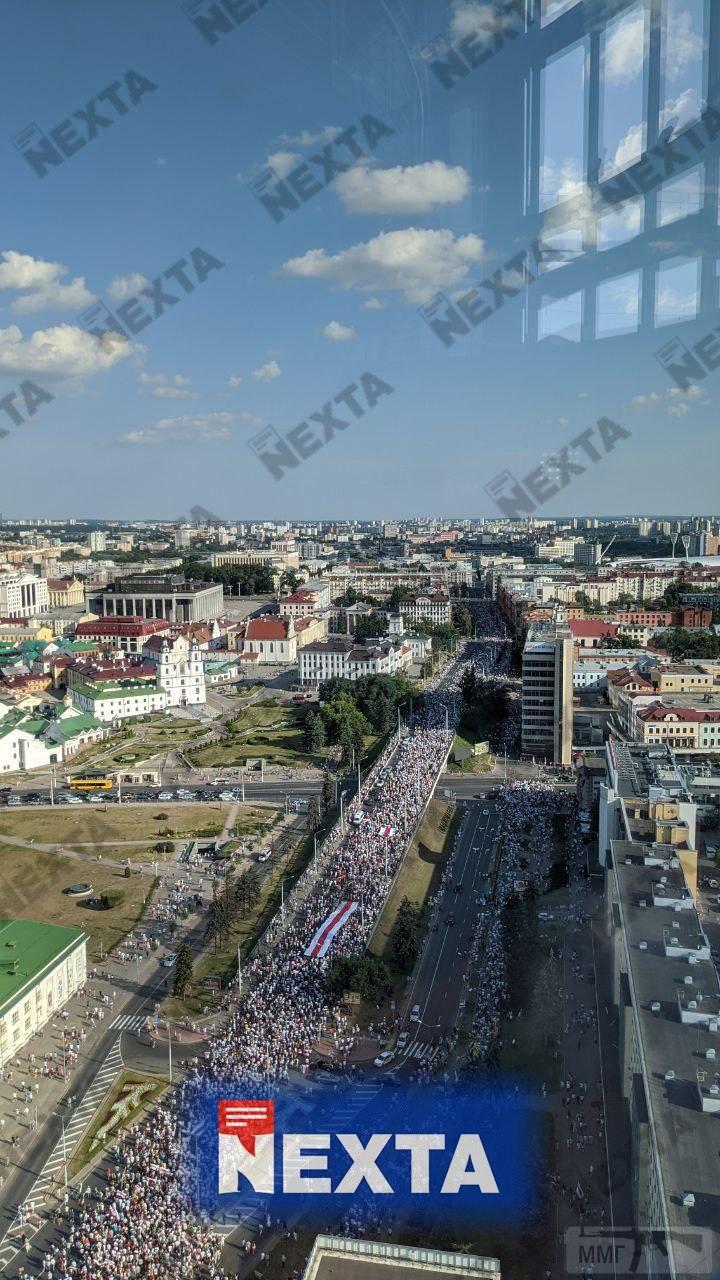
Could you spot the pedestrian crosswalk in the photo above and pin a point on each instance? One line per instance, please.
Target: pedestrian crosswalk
(422, 1052)
(354, 1102)
(128, 1021)
(53, 1171)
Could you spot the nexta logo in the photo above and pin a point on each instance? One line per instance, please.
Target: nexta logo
(324, 1163)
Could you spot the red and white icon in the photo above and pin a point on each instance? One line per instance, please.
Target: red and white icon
(246, 1141)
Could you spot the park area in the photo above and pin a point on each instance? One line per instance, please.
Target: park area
(271, 730)
(120, 831)
(32, 886)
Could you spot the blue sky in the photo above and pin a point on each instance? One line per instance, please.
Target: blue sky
(302, 308)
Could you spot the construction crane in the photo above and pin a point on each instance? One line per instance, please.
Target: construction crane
(607, 548)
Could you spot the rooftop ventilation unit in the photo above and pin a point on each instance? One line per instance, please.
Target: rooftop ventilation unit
(688, 1200)
(710, 1054)
(692, 1004)
(655, 1006)
(674, 942)
(714, 1090)
(713, 1024)
(692, 959)
(642, 902)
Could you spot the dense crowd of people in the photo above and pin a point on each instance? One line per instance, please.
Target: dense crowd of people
(138, 1223)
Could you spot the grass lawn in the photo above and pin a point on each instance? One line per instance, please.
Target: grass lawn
(90, 1149)
(467, 738)
(32, 889)
(94, 824)
(421, 869)
(267, 729)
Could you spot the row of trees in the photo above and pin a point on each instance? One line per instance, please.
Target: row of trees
(486, 704)
(406, 936)
(230, 904)
(367, 975)
(351, 710)
(243, 579)
(689, 644)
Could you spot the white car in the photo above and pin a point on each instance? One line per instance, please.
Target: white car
(227, 796)
(415, 1013)
(165, 795)
(358, 818)
(486, 813)
(73, 799)
(402, 1040)
(169, 960)
(264, 855)
(383, 1058)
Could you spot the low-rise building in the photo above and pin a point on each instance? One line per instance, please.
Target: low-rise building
(119, 700)
(22, 595)
(342, 657)
(65, 593)
(272, 638)
(433, 607)
(127, 634)
(41, 967)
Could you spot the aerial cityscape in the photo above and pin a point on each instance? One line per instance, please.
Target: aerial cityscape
(360, 720)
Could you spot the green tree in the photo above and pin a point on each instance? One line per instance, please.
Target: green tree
(313, 814)
(371, 624)
(405, 936)
(183, 971)
(328, 793)
(462, 620)
(314, 733)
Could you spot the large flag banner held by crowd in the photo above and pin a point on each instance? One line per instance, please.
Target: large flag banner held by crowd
(325, 934)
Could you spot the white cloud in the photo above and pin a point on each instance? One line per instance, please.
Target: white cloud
(625, 49)
(562, 180)
(251, 419)
(202, 428)
(683, 44)
(123, 287)
(471, 17)
(175, 388)
(373, 304)
(680, 110)
(564, 422)
(267, 372)
(583, 395)
(64, 351)
(306, 138)
(283, 162)
(40, 284)
(415, 262)
(336, 332)
(234, 380)
(405, 189)
(628, 150)
(677, 402)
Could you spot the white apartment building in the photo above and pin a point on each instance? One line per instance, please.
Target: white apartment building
(22, 595)
(119, 700)
(41, 967)
(180, 669)
(435, 607)
(342, 658)
(97, 540)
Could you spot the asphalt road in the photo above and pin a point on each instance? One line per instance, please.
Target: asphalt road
(438, 985)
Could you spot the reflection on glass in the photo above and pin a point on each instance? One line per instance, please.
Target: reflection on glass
(618, 305)
(682, 61)
(622, 115)
(680, 197)
(561, 317)
(562, 126)
(620, 225)
(677, 290)
(552, 9)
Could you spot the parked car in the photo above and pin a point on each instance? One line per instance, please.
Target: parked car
(264, 855)
(415, 1013)
(166, 795)
(169, 960)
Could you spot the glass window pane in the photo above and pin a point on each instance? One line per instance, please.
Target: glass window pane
(552, 9)
(620, 225)
(561, 318)
(680, 197)
(618, 305)
(622, 114)
(682, 62)
(677, 290)
(562, 145)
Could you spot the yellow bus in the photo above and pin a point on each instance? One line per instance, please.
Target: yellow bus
(90, 782)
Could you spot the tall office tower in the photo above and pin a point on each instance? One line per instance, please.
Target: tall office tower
(547, 691)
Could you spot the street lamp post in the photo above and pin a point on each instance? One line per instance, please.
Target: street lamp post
(239, 972)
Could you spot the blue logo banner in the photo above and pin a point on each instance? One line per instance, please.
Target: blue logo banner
(467, 1151)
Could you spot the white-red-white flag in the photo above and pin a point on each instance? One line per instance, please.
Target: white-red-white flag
(387, 831)
(329, 928)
